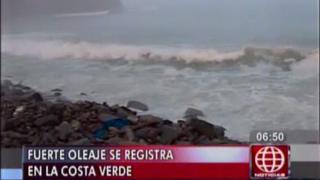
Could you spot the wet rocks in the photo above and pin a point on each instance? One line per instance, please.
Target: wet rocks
(29, 117)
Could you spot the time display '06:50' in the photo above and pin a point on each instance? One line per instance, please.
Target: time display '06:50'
(270, 136)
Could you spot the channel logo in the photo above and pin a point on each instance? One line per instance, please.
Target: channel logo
(269, 161)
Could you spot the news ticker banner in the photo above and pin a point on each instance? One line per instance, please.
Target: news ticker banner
(163, 162)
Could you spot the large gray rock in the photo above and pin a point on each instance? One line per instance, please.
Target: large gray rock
(137, 105)
(168, 134)
(203, 127)
(64, 130)
(193, 113)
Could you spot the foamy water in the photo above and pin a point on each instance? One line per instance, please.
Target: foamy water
(178, 62)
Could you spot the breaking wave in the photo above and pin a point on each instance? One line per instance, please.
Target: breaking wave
(188, 57)
(98, 13)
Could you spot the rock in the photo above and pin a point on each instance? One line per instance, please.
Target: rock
(183, 143)
(167, 122)
(75, 125)
(142, 142)
(133, 118)
(112, 132)
(57, 94)
(56, 90)
(9, 124)
(18, 110)
(83, 94)
(150, 119)
(203, 127)
(217, 141)
(83, 141)
(124, 112)
(168, 134)
(106, 117)
(137, 105)
(219, 131)
(57, 108)
(117, 123)
(64, 130)
(48, 138)
(100, 133)
(3, 124)
(35, 97)
(48, 120)
(193, 113)
(203, 140)
(115, 141)
(129, 133)
(13, 134)
(182, 124)
(147, 133)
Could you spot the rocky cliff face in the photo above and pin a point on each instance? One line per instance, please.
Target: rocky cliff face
(23, 8)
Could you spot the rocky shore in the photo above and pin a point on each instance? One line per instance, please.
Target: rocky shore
(33, 118)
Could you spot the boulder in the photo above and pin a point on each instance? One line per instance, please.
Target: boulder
(203, 127)
(193, 113)
(137, 105)
(64, 130)
(168, 134)
(37, 97)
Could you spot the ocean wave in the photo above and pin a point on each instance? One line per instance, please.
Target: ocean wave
(183, 57)
(97, 13)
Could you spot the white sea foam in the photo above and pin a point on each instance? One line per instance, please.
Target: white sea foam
(61, 49)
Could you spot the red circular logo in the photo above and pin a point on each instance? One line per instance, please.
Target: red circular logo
(269, 159)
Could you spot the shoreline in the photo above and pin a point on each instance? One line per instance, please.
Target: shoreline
(33, 118)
